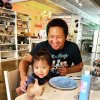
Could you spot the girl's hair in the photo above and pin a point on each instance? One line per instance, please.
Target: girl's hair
(43, 54)
(58, 22)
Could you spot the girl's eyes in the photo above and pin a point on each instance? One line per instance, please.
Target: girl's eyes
(36, 67)
(44, 67)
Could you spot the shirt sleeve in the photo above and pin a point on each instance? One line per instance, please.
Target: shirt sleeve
(77, 56)
(31, 79)
(35, 49)
(38, 46)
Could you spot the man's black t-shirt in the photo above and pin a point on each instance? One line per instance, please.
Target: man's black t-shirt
(68, 55)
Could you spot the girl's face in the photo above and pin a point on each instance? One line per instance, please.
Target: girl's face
(41, 68)
(56, 37)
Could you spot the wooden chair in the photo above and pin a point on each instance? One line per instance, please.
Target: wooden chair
(12, 80)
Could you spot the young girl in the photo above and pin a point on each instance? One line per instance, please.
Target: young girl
(42, 64)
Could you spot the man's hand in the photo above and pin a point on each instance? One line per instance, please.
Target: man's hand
(62, 70)
(23, 83)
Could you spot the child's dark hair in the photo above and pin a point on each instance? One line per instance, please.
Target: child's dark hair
(58, 22)
(43, 54)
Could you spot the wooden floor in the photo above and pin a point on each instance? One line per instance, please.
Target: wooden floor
(87, 58)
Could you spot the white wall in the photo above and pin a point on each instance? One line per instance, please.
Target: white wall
(96, 40)
(13, 1)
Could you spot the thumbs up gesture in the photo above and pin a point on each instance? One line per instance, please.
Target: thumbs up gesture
(35, 89)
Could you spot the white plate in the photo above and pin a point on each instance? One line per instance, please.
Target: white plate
(62, 82)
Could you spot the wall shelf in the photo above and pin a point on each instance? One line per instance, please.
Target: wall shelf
(14, 27)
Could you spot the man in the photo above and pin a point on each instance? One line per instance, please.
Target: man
(65, 54)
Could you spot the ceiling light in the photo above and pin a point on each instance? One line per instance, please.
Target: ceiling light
(80, 4)
(77, 1)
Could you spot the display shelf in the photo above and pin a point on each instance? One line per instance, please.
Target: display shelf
(22, 20)
(19, 27)
(7, 44)
(2, 24)
(8, 59)
(23, 50)
(7, 39)
(22, 54)
(7, 34)
(8, 51)
(6, 9)
(6, 17)
(20, 57)
(23, 43)
(37, 40)
(14, 35)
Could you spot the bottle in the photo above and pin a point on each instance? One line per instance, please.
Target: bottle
(85, 86)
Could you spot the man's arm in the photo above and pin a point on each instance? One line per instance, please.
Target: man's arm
(67, 70)
(75, 68)
(23, 68)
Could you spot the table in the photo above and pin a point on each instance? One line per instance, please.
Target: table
(51, 93)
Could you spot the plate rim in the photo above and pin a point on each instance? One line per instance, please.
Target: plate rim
(70, 88)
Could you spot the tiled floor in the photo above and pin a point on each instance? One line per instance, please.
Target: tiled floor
(87, 58)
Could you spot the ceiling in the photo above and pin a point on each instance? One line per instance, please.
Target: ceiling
(88, 6)
(96, 2)
(42, 5)
(89, 9)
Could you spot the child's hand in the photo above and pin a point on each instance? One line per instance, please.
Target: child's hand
(35, 90)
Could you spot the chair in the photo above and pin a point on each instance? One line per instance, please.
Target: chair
(12, 80)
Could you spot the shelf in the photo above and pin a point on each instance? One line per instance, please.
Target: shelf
(7, 25)
(7, 44)
(37, 40)
(7, 51)
(23, 50)
(22, 37)
(22, 44)
(8, 39)
(7, 35)
(2, 25)
(7, 17)
(22, 27)
(22, 20)
(8, 59)
(1, 8)
(20, 57)
(14, 40)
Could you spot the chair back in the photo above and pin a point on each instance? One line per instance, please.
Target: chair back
(12, 79)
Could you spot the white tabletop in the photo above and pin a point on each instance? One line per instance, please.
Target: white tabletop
(51, 93)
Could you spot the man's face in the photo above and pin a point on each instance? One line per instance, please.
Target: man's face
(56, 37)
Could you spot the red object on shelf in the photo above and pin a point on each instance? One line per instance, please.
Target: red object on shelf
(38, 25)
